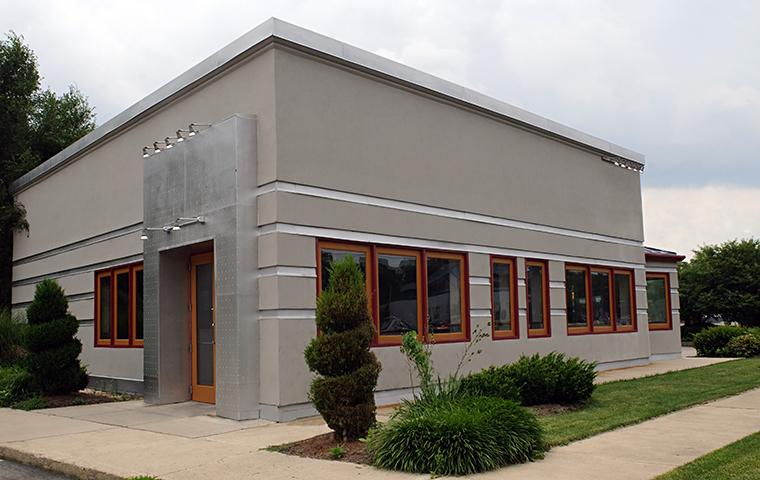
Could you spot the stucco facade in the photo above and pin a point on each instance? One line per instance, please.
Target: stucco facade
(307, 140)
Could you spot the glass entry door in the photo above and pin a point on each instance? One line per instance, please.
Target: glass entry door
(203, 322)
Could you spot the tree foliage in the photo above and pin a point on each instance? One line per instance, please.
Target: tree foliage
(36, 124)
(343, 393)
(722, 282)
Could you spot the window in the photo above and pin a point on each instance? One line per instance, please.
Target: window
(504, 298)
(536, 283)
(601, 297)
(445, 289)
(578, 306)
(609, 308)
(407, 289)
(118, 307)
(658, 301)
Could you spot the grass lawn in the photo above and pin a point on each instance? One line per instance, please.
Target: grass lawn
(626, 402)
(737, 461)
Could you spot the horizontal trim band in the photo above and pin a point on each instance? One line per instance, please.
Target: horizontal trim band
(558, 311)
(480, 280)
(309, 272)
(556, 284)
(480, 312)
(82, 269)
(661, 270)
(76, 297)
(119, 232)
(288, 314)
(319, 192)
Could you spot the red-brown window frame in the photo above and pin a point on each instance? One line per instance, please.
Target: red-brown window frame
(372, 251)
(546, 331)
(614, 327)
(113, 342)
(587, 283)
(137, 342)
(668, 310)
(514, 312)
(603, 328)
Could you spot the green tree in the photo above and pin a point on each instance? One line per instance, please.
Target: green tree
(722, 281)
(343, 393)
(35, 125)
(51, 343)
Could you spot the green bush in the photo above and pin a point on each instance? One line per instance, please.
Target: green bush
(53, 359)
(32, 403)
(747, 345)
(712, 341)
(459, 436)
(492, 382)
(15, 385)
(536, 380)
(12, 332)
(343, 393)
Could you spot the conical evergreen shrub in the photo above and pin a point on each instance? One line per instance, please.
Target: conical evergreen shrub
(343, 393)
(53, 359)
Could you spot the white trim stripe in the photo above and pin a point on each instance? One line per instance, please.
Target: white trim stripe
(520, 282)
(285, 314)
(557, 285)
(474, 280)
(318, 192)
(480, 312)
(558, 311)
(308, 272)
(661, 270)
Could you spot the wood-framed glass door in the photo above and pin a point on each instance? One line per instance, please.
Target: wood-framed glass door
(203, 320)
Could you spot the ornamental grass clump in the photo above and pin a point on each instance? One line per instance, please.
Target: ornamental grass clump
(51, 343)
(343, 393)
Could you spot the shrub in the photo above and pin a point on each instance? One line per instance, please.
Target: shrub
(11, 338)
(712, 341)
(343, 393)
(492, 382)
(535, 380)
(53, 359)
(747, 345)
(32, 403)
(15, 385)
(458, 436)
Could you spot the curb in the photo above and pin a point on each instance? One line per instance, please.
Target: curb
(73, 471)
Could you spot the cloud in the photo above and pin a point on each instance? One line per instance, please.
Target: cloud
(683, 219)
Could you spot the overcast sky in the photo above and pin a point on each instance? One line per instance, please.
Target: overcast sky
(678, 81)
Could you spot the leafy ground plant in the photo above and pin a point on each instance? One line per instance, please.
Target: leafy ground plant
(337, 452)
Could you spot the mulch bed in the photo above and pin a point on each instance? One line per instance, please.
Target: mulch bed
(85, 397)
(319, 447)
(553, 409)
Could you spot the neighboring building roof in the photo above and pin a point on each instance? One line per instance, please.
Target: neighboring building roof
(274, 30)
(657, 254)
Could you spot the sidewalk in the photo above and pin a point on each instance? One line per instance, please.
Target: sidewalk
(184, 441)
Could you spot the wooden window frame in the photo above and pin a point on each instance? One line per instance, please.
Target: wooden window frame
(372, 252)
(668, 325)
(137, 342)
(121, 342)
(514, 312)
(463, 300)
(113, 341)
(631, 295)
(587, 285)
(610, 292)
(546, 331)
(615, 328)
(390, 340)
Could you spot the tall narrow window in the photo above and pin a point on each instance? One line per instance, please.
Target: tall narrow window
(121, 310)
(658, 301)
(538, 301)
(576, 293)
(503, 296)
(103, 308)
(624, 313)
(137, 305)
(445, 296)
(601, 300)
(398, 292)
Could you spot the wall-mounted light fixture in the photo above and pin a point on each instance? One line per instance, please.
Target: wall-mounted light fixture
(175, 226)
(624, 163)
(169, 142)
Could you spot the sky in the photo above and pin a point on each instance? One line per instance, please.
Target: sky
(677, 80)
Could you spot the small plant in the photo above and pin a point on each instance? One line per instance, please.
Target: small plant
(445, 436)
(53, 359)
(12, 330)
(343, 393)
(32, 403)
(712, 341)
(15, 385)
(747, 345)
(337, 452)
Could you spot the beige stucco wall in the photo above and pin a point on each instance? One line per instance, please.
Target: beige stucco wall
(102, 192)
